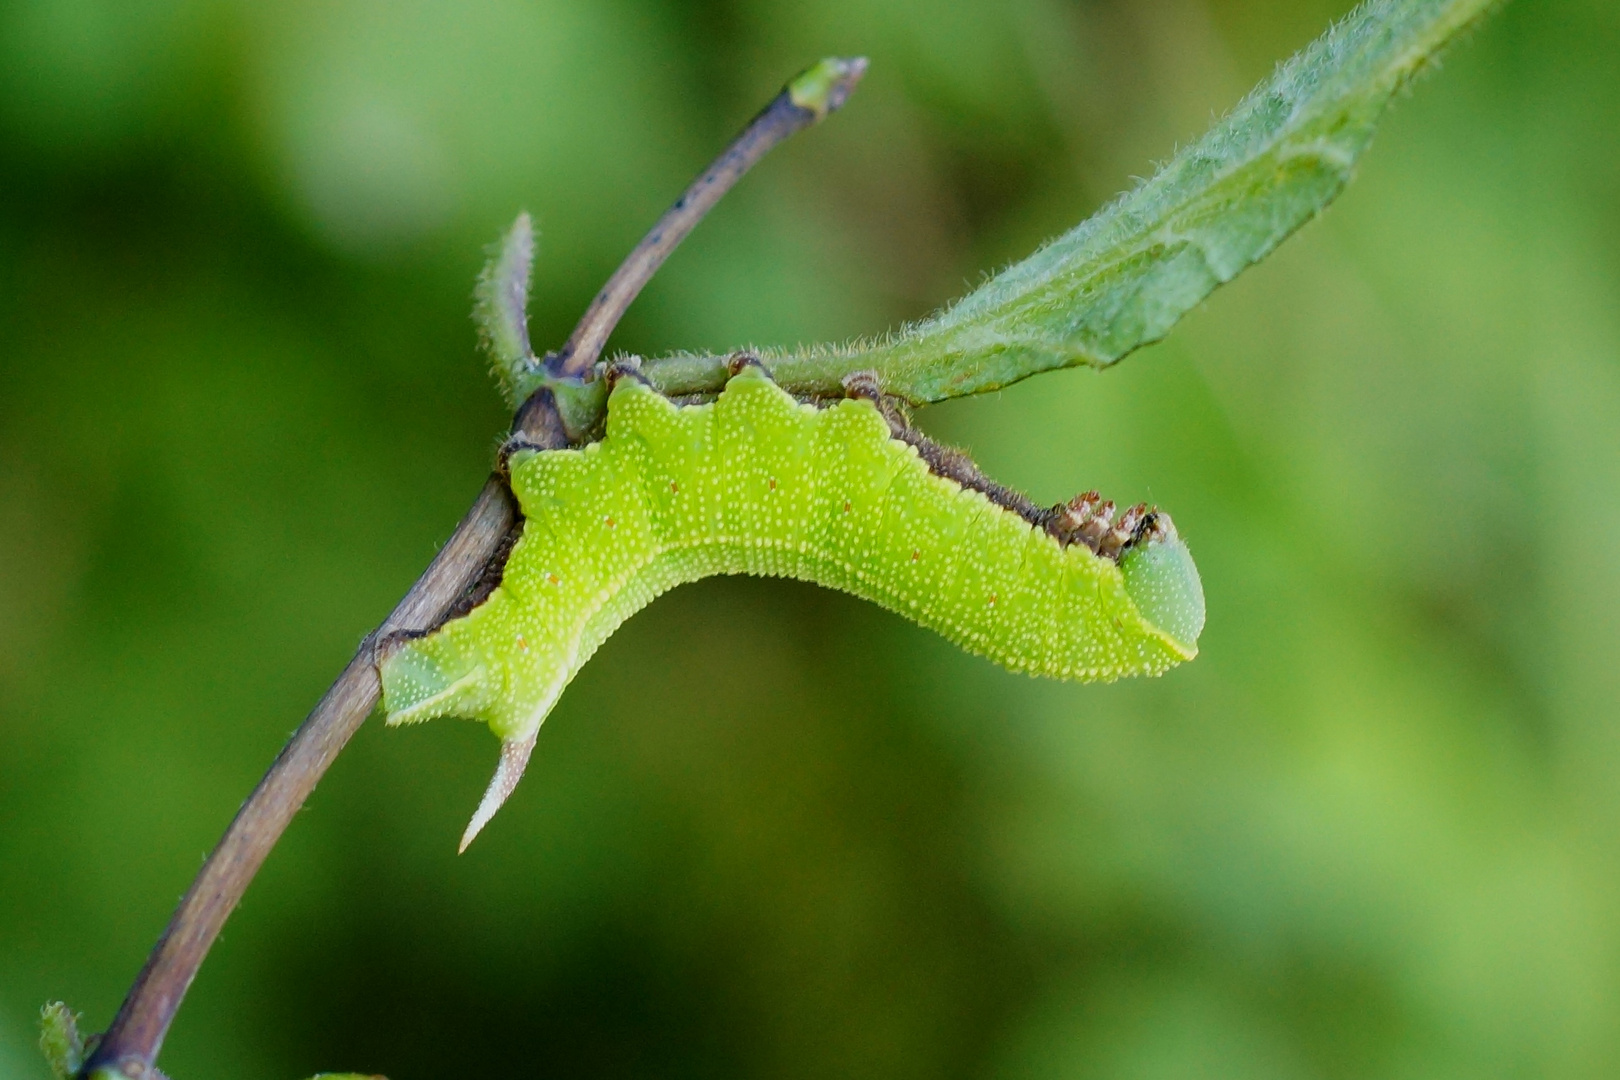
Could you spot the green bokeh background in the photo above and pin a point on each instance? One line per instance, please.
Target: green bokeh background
(1374, 831)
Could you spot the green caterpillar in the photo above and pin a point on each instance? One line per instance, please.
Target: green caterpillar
(757, 482)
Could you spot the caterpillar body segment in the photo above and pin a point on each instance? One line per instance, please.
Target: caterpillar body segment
(759, 483)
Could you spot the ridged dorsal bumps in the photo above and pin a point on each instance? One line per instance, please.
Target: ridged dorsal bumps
(759, 483)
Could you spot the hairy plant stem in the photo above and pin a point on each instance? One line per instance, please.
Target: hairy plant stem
(130, 1046)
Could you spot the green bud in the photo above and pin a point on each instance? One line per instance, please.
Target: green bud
(823, 87)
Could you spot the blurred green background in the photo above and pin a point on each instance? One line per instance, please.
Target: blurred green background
(1374, 831)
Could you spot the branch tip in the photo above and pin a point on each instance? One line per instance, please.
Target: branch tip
(807, 98)
(825, 86)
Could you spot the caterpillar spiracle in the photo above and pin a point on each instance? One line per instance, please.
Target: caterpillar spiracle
(757, 482)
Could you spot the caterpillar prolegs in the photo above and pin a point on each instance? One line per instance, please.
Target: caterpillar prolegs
(757, 482)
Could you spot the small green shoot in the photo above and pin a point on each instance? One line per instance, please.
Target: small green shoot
(500, 308)
(59, 1040)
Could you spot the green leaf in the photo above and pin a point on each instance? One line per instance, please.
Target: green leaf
(1121, 279)
(59, 1040)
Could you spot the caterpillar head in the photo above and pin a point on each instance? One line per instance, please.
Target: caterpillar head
(1163, 582)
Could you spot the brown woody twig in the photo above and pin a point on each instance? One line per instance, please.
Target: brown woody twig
(130, 1046)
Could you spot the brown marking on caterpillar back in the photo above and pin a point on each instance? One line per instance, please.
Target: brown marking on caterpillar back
(1086, 519)
(489, 579)
(625, 367)
(737, 361)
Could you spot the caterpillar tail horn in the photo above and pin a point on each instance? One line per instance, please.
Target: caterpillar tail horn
(508, 771)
